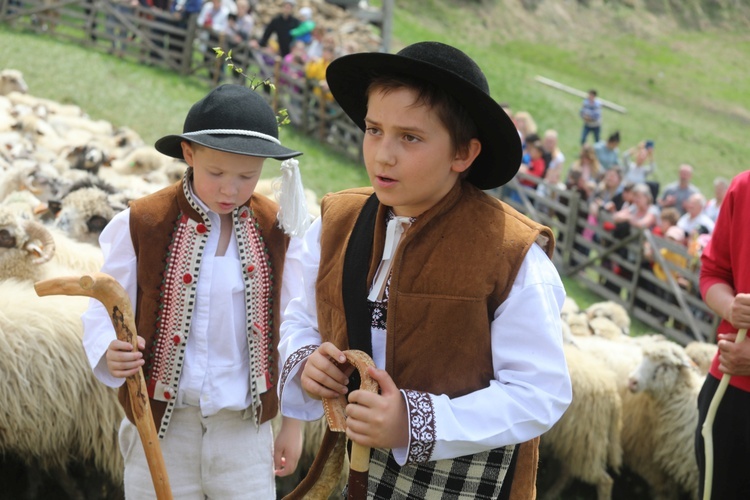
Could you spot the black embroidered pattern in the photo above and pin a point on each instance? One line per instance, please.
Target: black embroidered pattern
(297, 356)
(422, 431)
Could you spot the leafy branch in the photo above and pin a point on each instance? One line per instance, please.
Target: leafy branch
(282, 118)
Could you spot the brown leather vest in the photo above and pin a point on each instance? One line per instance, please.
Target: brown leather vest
(152, 223)
(453, 268)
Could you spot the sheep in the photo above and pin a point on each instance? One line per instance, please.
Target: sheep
(612, 310)
(47, 105)
(586, 440)
(702, 354)
(84, 214)
(569, 307)
(11, 80)
(140, 161)
(604, 327)
(579, 324)
(55, 414)
(24, 246)
(669, 378)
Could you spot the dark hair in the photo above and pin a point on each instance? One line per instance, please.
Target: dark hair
(614, 137)
(454, 117)
(592, 91)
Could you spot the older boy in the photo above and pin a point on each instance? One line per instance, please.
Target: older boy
(451, 291)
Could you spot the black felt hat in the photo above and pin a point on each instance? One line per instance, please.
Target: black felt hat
(233, 119)
(450, 69)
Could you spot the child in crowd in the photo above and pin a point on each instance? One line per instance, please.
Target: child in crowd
(202, 262)
(451, 291)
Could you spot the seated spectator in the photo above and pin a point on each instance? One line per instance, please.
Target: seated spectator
(240, 25)
(694, 222)
(608, 152)
(606, 191)
(306, 26)
(641, 213)
(638, 162)
(293, 65)
(536, 165)
(588, 164)
(667, 218)
(714, 204)
(315, 71)
(676, 193)
(214, 16)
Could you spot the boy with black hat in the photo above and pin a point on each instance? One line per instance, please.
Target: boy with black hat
(451, 291)
(202, 262)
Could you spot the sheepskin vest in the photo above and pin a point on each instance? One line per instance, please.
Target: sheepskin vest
(169, 231)
(453, 268)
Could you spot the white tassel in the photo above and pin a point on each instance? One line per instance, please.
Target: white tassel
(294, 218)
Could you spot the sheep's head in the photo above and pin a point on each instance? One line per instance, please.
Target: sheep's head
(664, 363)
(11, 80)
(84, 214)
(611, 310)
(24, 246)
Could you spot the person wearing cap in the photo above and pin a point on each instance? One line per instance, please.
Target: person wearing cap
(202, 262)
(451, 291)
(281, 25)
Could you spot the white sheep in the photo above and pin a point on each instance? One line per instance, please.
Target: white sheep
(612, 310)
(579, 324)
(602, 326)
(570, 306)
(84, 214)
(25, 245)
(702, 354)
(11, 80)
(586, 440)
(669, 378)
(54, 413)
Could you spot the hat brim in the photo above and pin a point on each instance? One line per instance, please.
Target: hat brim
(170, 145)
(500, 158)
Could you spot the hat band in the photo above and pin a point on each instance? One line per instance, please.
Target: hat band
(230, 131)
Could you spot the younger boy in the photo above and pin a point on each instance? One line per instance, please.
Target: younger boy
(202, 263)
(451, 291)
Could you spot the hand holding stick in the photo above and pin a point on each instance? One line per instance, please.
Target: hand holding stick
(334, 411)
(708, 425)
(109, 292)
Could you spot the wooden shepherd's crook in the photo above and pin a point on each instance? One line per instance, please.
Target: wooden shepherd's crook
(109, 292)
(359, 462)
(707, 429)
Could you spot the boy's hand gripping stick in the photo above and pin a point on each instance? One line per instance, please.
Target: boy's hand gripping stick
(109, 292)
(359, 462)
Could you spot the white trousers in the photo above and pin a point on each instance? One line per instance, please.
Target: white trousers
(221, 457)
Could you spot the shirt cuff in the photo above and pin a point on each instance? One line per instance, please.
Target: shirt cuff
(420, 411)
(293, 400)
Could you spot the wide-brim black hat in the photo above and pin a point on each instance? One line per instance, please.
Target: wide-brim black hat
(233, 119)
(450, 69)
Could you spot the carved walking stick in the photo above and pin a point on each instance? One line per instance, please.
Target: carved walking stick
(109, 292)
(359, 463)
(707, 430)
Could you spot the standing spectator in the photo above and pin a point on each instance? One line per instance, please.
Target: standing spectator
(676, 193)
(725, 287)
(638, 162)
(306, 26)
(551, 146)
(591, 113)
(526, 126)
(714, 204)
(668, 217)
(641, 213)
(281, 26)
(604, 195)
(316, 73)
(293, 66)
(694, 222)
(608, 153)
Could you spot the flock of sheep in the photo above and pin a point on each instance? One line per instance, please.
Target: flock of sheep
(634, 405)
(63, 176)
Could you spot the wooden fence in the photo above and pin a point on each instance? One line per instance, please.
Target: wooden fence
(162, 39)
(612, 263)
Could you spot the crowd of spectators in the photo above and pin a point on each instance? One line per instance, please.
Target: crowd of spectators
(618, 193)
